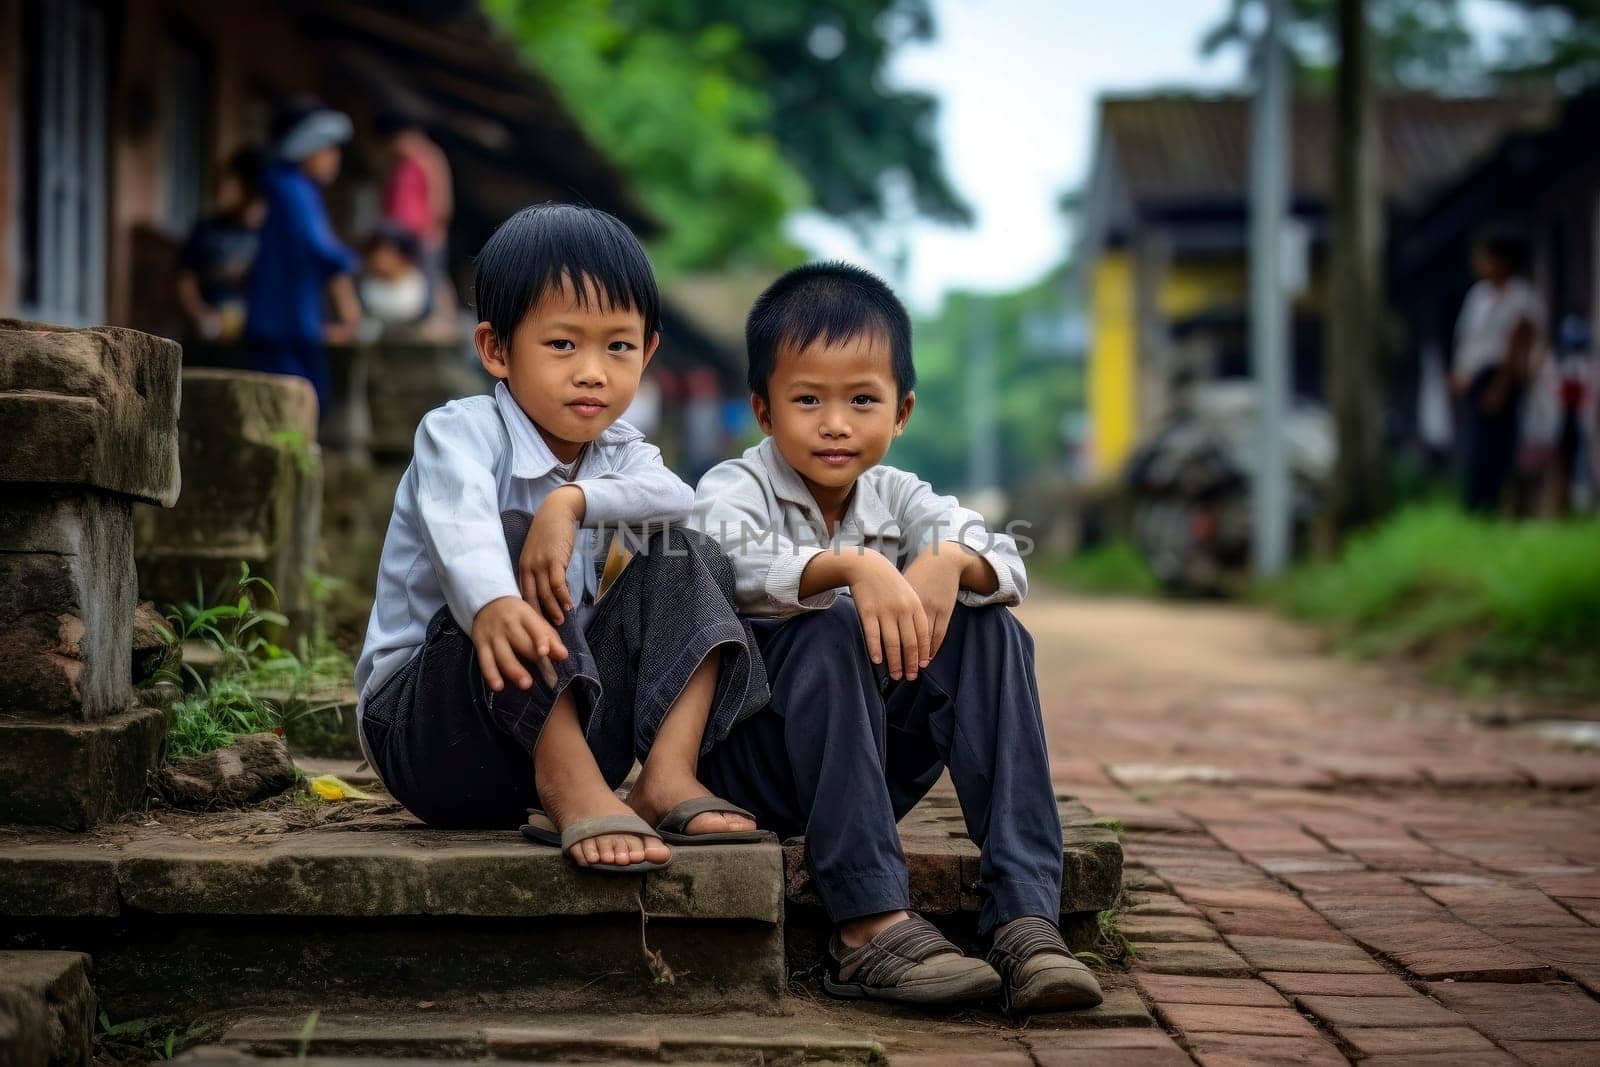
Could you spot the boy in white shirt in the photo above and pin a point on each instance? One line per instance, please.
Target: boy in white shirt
(495, 681)
(921, 668)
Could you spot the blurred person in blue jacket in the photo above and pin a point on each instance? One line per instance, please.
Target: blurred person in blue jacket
(301, 266)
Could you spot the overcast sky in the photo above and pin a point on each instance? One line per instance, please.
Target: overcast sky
(1017, 81)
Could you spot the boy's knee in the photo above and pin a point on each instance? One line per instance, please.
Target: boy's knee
(837, 626)
(992, 618)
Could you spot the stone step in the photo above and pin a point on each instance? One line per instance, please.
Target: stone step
(285, 904)
(189, 913)
(465, 1036)
(47, 1009)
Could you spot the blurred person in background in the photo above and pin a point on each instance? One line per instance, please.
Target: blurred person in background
(301, 267)
(393, 288)
(418, 193)
(1497, 336)
(214, 263)
(1578, 374)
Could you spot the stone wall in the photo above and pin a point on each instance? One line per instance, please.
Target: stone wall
(252, 491)
(91, 427)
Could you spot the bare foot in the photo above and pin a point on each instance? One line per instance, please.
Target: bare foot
(572, 789)
(660, 789)
(567, 803)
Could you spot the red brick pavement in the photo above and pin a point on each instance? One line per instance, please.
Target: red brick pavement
(1327, 862)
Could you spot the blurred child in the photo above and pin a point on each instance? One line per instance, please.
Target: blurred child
(393, 288)
(214, 264)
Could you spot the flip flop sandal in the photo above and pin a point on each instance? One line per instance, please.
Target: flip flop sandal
(673, 827)
(542, 830)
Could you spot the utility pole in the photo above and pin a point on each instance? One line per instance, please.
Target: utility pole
(1355, 333)
(1269, 301)
(983, 446)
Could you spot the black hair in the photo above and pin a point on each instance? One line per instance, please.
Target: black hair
(397, 237)
(395, 120)
(1509, 245)
(834, 301)
(543, 246)
(245, 165)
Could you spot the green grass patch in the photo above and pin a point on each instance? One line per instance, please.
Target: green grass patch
(1483, 604)
(243, 693)
(1108, 569)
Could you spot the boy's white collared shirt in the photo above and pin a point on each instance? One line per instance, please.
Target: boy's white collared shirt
(760, 511)
(473, 459)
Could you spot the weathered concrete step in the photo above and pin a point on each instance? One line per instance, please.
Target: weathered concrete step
(251, 915)
(47, 1009)
(725, 1037)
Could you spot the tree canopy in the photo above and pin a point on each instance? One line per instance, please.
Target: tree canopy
(1428, 44)
(729, 116)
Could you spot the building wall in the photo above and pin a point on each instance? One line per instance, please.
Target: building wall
(1113, 405)
(1133, 301)
(254, 57)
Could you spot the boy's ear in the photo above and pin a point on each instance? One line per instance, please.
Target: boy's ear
(495, 357)
(763, 413)
(650, 347)
(903, 416)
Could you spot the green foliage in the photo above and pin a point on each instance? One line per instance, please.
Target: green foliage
(821, 67)
(727, 119)
(1427, 44)
(1111, 944)
(216, 710)
(142, 1040)
(676, 115)
(1559, 43)
(1033, 389)
(1484, 603)
(214, 715)
(1110, 569)
(1416, 43)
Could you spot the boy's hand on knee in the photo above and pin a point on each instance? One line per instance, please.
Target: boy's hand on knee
(508, 635)
(542, 569)
(892, 616)
(936, 577)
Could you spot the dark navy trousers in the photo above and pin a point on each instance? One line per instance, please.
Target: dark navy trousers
(843, 751)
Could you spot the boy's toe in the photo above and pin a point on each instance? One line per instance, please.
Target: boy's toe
(717, 822)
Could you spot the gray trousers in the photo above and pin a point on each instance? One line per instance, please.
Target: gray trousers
(460, 756)
(843, 752)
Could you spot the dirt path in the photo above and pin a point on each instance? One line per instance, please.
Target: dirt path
(1328, 861)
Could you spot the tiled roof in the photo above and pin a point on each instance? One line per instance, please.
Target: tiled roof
(1173, 149)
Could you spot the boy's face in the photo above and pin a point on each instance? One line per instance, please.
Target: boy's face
(385, 261)
(573, 370)
(833, 410)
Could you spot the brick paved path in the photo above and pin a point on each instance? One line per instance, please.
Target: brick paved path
(1327, 861)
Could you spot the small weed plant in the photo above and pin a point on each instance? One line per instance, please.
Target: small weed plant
(254, 678)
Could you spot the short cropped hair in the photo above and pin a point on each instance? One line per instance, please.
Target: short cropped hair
(833, 301)
(1508, 244)
(543, 246)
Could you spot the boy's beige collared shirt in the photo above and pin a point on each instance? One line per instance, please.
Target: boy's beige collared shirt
(769, 525)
